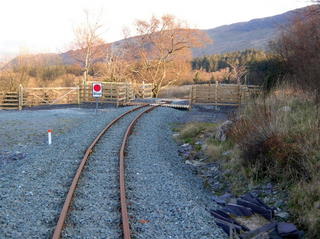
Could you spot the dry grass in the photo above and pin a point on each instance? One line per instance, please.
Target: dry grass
(181, 92)
(192, 132)
(278, 137)
(305, 205)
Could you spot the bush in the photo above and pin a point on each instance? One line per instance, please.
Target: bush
(277, 136)
(305, 206)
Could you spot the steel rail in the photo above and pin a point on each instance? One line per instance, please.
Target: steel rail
(123, 199)
(67, 203)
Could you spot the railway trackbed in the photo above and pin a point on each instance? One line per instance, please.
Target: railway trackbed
(96, 205)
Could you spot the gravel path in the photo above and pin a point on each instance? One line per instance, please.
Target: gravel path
(95, 211)
(167, 199)
(34, 178)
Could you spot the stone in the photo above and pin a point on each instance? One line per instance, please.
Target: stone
(260, 231)
(223, 199)
(194, 163)
(286, 108)
(279, 203)
(256, 208)
(287, 230)
(222, 130)
(224, 218)
(226, 153)
(283, 215)
(238, 210)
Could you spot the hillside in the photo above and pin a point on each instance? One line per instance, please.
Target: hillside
(238, 36)
(245, 35)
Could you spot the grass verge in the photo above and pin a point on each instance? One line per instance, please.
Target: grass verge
(274, 139)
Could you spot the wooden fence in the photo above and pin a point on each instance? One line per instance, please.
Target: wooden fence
(144, 90)
(48, 96)
(9, 100)
(113, 92)
(222, 94)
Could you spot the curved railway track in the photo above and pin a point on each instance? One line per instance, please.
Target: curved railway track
(73, 188)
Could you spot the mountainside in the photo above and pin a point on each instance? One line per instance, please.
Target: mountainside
(245, 35)
(228, 38)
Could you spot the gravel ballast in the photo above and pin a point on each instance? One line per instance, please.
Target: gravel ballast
(166, 199)
(33, 186)
(95, 210)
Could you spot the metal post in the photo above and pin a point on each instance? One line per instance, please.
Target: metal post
(97, 102)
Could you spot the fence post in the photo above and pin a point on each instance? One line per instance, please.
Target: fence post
(239, 92)
(117, 90)
(20, 97)
(190, 96)
(79, 100)
(142, 89)
(216, 94)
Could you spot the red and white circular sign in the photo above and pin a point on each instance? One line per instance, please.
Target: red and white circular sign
(97, 89)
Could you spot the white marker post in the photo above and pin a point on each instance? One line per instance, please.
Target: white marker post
(49, 136)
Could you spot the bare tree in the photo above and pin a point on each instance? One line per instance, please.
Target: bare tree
(299, 48)
(238, 71)
(88, 45)
(162, 42)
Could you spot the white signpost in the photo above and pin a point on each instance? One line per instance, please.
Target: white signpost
(97, 92)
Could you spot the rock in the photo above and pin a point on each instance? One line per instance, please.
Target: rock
(185, 150)
(279, 203)
(266, 213)
(199, 155)
(287, 230)
(222, 130)
(267, 186)
(194, 163)
(283, 215)
(286, 108)
(222, 200)
(224, 219)
(261, 231)
(184, 146)
(226, 153)
(237, 210)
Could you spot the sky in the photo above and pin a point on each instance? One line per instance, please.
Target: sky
(35, 26)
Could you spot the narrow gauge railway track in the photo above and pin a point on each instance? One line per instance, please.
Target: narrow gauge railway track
(63, 218)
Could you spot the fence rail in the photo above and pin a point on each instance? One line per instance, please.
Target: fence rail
(113, 92)
(222, 94)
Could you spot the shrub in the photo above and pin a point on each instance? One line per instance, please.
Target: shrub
(277, 136)
(305, 206)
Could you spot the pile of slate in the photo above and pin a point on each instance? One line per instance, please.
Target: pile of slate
(246, 206)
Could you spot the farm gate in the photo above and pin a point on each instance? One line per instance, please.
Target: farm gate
(222, 94)
(113, 92)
